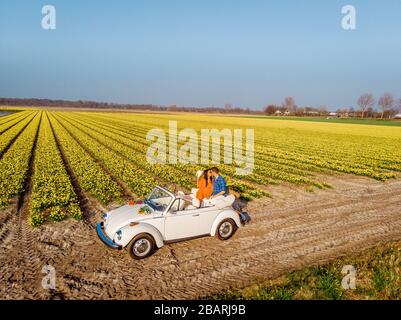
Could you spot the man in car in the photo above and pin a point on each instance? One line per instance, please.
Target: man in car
(220, 197)
(219, 183)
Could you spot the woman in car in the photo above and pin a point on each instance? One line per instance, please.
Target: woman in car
(205, 186)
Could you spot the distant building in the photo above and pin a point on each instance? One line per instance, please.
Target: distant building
(278, 113)
(397, 116)
(312, 113)
(332, 115)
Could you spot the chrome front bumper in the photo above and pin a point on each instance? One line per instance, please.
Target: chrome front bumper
(105, 239)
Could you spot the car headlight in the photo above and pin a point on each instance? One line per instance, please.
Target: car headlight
(119, 234)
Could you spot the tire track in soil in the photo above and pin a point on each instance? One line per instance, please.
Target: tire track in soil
(235, 266)
(22, 260)
(8, 217)
(167, 287)
(90, 207)
(9, 214)
(54, 250)
(280, 227)
(317, 229)
(395, 206)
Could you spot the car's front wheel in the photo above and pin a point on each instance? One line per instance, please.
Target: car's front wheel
(141, 246)
(226, 229)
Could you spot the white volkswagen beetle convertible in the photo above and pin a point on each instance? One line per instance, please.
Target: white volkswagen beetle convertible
(164, 218)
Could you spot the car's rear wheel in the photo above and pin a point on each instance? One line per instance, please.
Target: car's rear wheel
(141, 246)
(226, 229)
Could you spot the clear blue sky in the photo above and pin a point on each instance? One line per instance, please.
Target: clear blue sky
(200, 53)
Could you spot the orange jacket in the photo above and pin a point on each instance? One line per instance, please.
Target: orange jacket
(204, 191)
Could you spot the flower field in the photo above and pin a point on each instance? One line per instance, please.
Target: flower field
(103, 156)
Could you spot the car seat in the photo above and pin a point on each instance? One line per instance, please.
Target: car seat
(181, 205)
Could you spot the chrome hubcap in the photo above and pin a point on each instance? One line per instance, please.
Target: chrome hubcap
(142, 247)
(225, 229)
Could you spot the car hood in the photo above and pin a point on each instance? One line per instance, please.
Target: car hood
(122, 216)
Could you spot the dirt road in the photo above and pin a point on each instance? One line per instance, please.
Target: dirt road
(294, 229)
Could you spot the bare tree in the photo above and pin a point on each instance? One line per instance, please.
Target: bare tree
(370, 112)
(386, 102)
(270, 109)
(172, 107)
(365, 101)
(289, 103)
(323, 110)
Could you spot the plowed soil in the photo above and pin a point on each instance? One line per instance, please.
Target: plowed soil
(292, 230)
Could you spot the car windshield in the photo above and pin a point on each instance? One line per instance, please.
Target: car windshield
(159, 199)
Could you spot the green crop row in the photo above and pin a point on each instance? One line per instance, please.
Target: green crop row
(14, 164)
(53, 196)
(91, 177)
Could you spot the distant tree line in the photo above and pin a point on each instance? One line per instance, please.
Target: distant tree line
(288, 107)
(68, 104)
(386, 107)
(105, 105)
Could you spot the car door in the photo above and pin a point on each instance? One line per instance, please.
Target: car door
(180, 224)
(207, 216)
